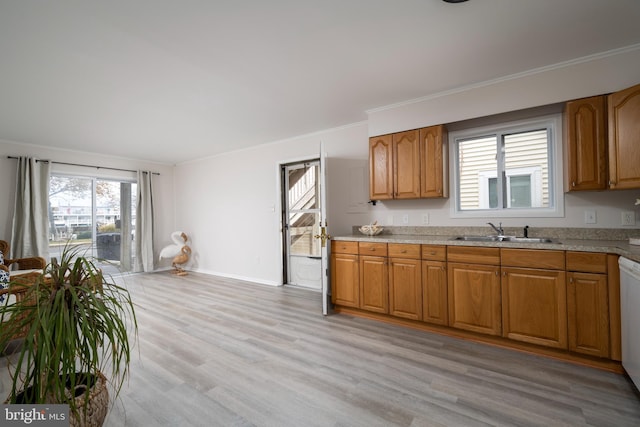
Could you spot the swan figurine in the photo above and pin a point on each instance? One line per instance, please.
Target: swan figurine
(179, 251)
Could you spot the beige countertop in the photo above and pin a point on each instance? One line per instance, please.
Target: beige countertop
(619, 247)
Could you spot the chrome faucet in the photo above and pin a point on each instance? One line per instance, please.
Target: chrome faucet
(498, 229)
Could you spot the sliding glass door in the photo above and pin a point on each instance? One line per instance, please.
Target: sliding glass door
(96, 215)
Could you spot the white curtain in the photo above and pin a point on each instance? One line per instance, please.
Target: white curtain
(30, 229)
(144, 223)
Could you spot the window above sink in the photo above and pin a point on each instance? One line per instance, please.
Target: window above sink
(511, 169)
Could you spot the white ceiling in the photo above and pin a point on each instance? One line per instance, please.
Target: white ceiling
(175, 80)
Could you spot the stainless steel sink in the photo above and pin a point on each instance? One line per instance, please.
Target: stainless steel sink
(505, 239)
(478, 238)
(530, 240)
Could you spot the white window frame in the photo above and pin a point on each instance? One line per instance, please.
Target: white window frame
(556, 200)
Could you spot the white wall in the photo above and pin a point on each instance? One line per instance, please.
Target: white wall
(230, 204)
(163, 195)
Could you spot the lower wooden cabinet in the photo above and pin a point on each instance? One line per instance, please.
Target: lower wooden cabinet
(434, 292)
(474, 298)
(534, 306)
(345, 280)
(374, 284)
(566, 300)
(588, 314)
(405, 288)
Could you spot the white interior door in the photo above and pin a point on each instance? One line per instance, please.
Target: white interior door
(324, 236)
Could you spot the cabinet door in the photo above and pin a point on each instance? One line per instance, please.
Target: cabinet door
(380, 168)
(345, 280)
(624, 138)
(434, 292)
(405, 288)
(586, 144)
(374, 284)
(588, 313)
(406, 165)
(534, 306)
(433, 162)
(474, 298)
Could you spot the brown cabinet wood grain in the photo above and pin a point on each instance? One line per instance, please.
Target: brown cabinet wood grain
(534, 296)
(434, 167)
(381, 168)
(588, 314)
(434, 292)
(345, 273)
(405, 288)
(406, 165)
(534, 306)
(345, 280)
(474, 297)
(374, 284)
(586, 144)
(624, 138)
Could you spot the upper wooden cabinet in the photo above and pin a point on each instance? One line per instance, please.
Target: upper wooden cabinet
(586, 144)
(434, 167)
(380, 168)
(406, 165)
(409, 165)
(624, 138)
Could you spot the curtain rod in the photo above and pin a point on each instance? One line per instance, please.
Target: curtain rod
(85, 166)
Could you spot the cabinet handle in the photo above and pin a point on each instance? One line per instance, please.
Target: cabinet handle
(403, 251)
(497, 273)
(573, 183)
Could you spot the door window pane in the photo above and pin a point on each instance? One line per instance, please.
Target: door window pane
(302, 228)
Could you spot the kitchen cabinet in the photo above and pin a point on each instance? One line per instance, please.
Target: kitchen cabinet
(474, 289)
(394, 166)
(409, 165)
(434, 285)
(624, 138)
(374, 277)
(588, 303)
(406, 165)
(381, 168)
(434, 167)
(345, 274)
(405, 281)
(586, 144)
(534, 296)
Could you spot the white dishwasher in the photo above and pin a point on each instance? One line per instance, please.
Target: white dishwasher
(630, 317)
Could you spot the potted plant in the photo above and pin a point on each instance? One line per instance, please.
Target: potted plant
(75, 327)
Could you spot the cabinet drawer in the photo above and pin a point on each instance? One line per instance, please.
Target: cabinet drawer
(434, 253)
(533, 258)
(367, 248)
(589, 262)
(473, 255)
(342, 247)
(403, 250)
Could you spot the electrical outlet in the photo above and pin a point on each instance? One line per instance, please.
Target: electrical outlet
(405, 219)
(628, 218)
(425, 219)
(590, 217)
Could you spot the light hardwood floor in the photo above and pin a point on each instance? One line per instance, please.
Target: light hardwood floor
(220, 352)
